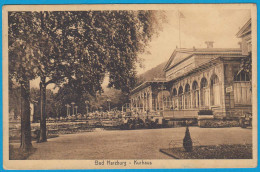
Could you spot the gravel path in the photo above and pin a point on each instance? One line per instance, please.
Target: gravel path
(133, 144)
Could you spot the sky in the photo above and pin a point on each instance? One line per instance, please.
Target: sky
(197, 26)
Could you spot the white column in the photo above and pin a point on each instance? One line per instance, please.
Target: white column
(146, 101)
(151, 101)
(199, 102)
(178, 107)
(191, 100)
(208, 92)
(143, 101)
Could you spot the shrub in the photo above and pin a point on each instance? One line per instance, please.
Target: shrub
(205, 112)
(219, 123)
(187, 142)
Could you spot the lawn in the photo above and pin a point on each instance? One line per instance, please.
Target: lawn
(235, 151)
(16, 154)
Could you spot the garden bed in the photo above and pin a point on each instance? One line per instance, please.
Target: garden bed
(236, 151)
(217, 123)
(53, 129)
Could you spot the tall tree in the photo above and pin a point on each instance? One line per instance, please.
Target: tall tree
(82, 46)
(54, 56)
(21, 68)
(110, 42)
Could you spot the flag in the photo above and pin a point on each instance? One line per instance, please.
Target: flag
(181, 15)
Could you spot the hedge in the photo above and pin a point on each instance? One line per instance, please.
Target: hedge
(219, 123)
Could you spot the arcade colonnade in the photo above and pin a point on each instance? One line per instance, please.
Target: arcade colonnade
(142, 101)
(203, 89)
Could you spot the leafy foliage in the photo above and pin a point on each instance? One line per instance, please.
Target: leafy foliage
(20, 41)
(81, 45)
(246, 65)
(51, 105)
(78, 48)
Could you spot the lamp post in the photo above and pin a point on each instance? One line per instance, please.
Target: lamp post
(87, 102)
(108, 100)
(76, 107)
(68, 106)
(72, 103)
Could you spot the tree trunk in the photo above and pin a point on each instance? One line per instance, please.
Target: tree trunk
(43, 133)
(26, 143)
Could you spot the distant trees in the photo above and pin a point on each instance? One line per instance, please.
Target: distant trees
(51, 104)
(78, 48)
(15, 100)
(69, 93)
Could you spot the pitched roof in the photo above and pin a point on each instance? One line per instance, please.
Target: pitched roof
(245, 29)
(145, 84)
(180, 55)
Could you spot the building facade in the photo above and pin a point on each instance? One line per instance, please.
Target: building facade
(200, 79)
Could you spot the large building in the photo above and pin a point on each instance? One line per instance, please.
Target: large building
(200, 79)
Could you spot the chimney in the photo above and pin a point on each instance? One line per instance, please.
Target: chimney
(209, 44)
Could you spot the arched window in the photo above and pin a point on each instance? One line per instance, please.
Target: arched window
(214, 80)
(180, 95)
(242, 76)
(204, 92)
(195, 85)
(187, 88)
(195, 94)
(163, 99)
(140, 105)
(215, 90)
(174, 92)
(187, 96)
(180, 90)
(155, 104)
(174, 98)
(145, 102)
(204, 83)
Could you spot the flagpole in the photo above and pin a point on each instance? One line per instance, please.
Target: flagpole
(179, 29)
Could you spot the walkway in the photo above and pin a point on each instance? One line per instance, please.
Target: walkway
(132, 144)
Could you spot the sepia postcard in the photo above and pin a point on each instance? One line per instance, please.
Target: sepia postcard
(130, 86)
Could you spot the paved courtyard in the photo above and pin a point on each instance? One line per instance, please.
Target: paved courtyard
(133, 144)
